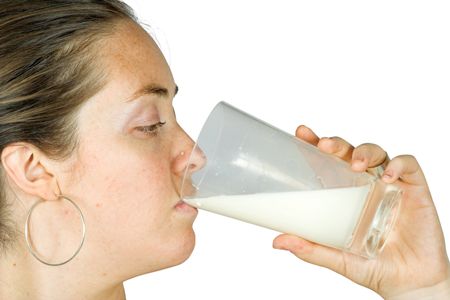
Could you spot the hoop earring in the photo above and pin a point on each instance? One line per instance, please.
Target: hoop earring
(27, 238)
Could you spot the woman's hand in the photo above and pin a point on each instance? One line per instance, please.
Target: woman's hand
(414, 263)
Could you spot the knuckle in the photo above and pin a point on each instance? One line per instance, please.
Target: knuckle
(340, 141)
(335, 139)
(412, 160)
(367, 145)
(406, 157)
(405, 160)
(371, 146)
(363, 147)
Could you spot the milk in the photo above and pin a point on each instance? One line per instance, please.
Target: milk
(327, 216)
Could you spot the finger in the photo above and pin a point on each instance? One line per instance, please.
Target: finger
(406, 168)
(367, 156)
(337, 146)
(313, 253)
(307, 135)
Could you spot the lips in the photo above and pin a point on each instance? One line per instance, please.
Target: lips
(184, 207)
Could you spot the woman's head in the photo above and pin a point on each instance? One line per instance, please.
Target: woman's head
(86, 112)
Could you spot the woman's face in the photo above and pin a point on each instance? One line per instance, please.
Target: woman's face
(132, 153)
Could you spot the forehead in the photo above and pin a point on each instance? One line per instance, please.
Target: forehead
(132, 58)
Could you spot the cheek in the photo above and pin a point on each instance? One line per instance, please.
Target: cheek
(136, 183)
(128, 195)
(126, 186)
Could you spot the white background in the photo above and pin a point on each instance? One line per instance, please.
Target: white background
(368, 71)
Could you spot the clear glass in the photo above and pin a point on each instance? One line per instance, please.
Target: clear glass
(261, 175)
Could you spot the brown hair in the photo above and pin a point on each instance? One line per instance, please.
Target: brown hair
(48, 69)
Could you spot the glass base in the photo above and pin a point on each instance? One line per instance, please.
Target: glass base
(377, 220)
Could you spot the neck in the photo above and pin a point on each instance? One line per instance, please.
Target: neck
(23, 277)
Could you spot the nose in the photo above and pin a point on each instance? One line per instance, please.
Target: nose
(187, 157)
(196, 160)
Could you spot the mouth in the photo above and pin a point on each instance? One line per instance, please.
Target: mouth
(183, 207)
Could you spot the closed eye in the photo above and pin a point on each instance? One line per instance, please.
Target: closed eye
(151, 129)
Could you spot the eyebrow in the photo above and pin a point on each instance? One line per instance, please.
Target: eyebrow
(152, 89)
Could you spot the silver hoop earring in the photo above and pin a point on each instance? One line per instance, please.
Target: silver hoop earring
(27, 237)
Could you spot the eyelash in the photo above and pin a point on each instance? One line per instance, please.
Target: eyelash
(151, 129)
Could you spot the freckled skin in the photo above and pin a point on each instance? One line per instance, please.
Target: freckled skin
(129, 175)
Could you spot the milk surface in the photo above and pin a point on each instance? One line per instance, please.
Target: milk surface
(326, 216)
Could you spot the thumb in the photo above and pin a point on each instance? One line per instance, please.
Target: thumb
(313, 253)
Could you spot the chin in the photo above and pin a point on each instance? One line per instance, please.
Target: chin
(162, 254)
(176, 252)
(184, 251)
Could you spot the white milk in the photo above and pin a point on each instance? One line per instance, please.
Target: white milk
(326, 216)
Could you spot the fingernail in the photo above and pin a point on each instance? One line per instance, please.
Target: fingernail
(387, 175)
(302, 128)
(326, 139)
(294, 244)
(279, 247)
(358, 159)
(358, 162)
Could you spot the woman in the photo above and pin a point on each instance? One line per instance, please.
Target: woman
(92, 158)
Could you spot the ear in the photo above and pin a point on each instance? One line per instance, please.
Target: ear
(24, 164)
